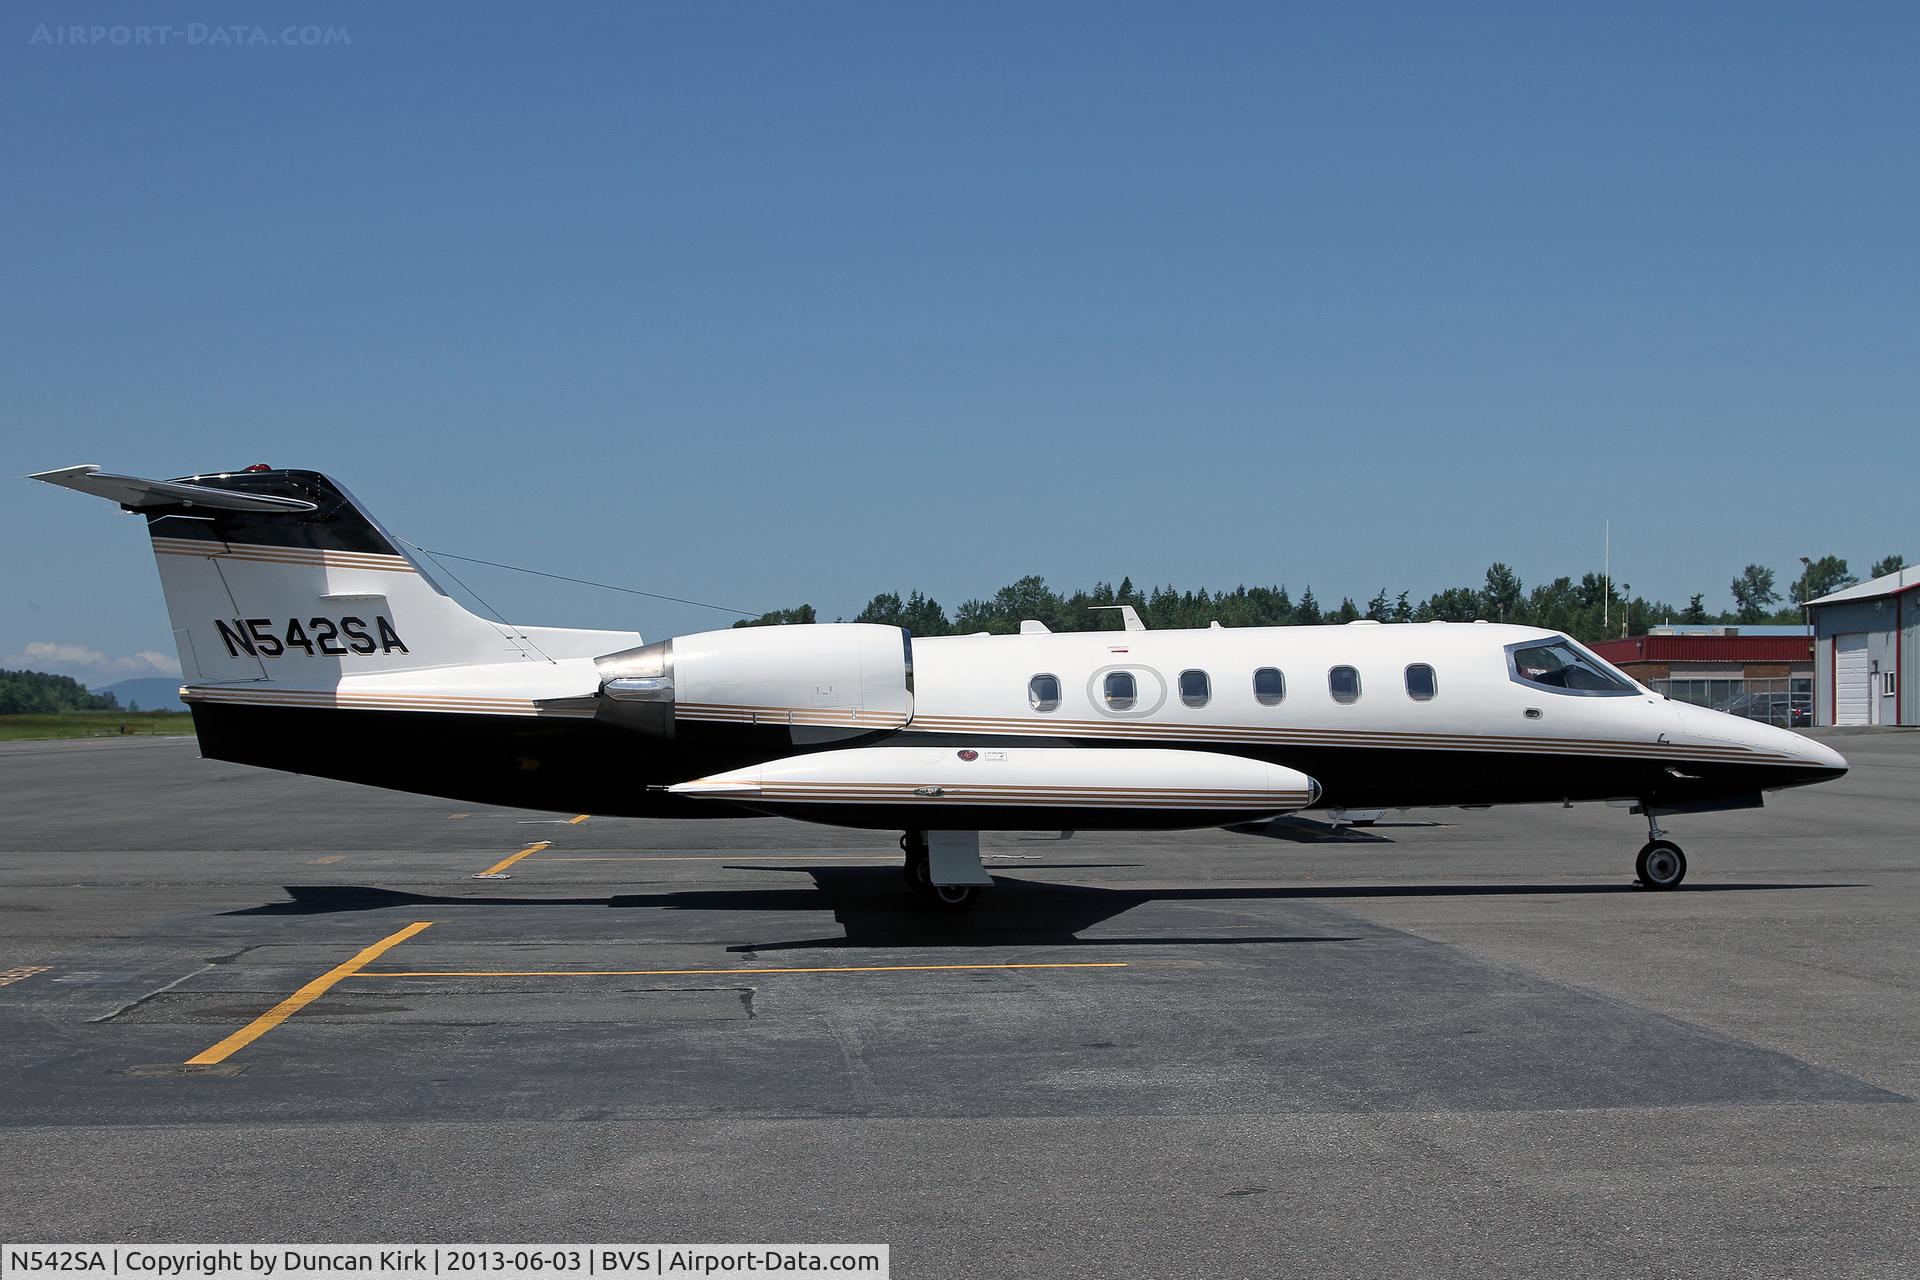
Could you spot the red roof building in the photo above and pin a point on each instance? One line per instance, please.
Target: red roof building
(1660, 657)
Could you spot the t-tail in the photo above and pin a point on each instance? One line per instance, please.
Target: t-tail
(288, 601)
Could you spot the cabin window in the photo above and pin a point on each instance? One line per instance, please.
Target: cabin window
(1196, 689)
(1421, 682)
(1564, 666)
(1043, 692)
(1120, 690)
(1269, 686)
(1344, 684)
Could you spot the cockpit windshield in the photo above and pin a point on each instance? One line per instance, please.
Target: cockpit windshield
(1562, 665)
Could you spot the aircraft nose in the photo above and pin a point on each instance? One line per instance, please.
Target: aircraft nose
(1821, 755)
(1822, 761)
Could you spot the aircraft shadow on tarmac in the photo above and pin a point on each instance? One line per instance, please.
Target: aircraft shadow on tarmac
(872, 907)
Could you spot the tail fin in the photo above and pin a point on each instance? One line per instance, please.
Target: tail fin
(282, 576)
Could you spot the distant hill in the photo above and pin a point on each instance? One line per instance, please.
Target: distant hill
(150, 693)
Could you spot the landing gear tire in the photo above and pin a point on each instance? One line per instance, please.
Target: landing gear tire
(1661, 865)
(919, 869)
(945, 897)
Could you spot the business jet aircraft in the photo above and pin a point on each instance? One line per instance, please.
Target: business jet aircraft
(311, 641)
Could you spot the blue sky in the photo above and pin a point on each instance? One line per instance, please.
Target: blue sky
(763, 303)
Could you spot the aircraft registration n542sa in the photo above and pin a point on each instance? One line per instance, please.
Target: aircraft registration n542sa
(312, 641)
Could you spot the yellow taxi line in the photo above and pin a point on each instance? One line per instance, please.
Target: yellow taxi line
(302, 998)
(576, 821)
(506, 862)
(21, 972)
(675, 973)
(737, 857)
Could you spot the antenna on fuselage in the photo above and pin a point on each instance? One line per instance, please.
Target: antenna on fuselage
(1128, 618)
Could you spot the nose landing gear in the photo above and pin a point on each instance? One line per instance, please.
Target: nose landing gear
(1660, 864)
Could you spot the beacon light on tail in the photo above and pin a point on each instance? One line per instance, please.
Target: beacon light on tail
(314, 641)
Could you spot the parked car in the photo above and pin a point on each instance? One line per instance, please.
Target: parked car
(1789, 710)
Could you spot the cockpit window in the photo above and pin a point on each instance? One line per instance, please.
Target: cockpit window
(1563, 666)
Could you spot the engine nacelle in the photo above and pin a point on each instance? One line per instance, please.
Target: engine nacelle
(822, 682)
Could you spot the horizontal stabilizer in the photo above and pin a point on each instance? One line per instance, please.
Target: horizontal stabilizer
(135, 493)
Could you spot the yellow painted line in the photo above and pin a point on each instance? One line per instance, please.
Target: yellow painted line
(301, 999)
(504, 863)
(574, 822)
(455, 817)
(677, 973)
(740, 858)
(21, 972)
(321, 862)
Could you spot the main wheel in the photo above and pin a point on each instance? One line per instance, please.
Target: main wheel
(914, 845)
(947, 897)
(1661, 865)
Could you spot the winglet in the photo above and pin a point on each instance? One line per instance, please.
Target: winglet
(134, 493)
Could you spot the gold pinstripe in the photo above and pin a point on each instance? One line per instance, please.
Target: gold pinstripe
(1339, 737)
(1005, 726)
(305, 557)
(1091, 797)
(738, 713)
(371, 701)
(1057, 787)
(1160, 730)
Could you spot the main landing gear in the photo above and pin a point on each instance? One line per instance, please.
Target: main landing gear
(1660, 864)
(943, 868)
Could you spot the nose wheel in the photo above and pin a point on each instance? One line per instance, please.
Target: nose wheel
(1660, 864)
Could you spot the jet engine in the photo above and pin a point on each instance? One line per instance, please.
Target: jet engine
(820, 683)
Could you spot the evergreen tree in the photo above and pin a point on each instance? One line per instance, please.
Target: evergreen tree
(1821, 577)
(1503, 593)
(1890, 564)
(1455, 604)
(781, 617)
(1753, 592)
(40, 693)
(916, 613)
(883, 609)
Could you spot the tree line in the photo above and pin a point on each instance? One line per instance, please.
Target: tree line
(1588, 608)
(38, 693)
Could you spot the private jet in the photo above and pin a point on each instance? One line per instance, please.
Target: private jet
(312, 640)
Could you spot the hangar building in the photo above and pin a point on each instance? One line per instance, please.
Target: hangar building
(1761, 672)
(1865, 639)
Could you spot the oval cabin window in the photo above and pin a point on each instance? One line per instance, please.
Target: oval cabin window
(1344, 684)
(1421, 684)
(1043, 692)
(1196, 688)
(1120, 690)
(1269, 687)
